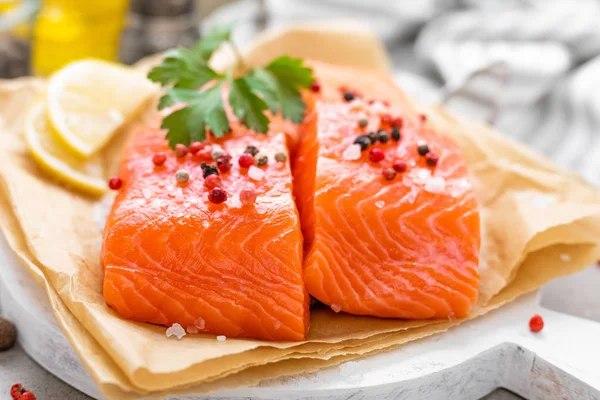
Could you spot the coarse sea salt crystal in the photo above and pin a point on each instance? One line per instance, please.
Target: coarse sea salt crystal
(378, 107)
(234, 201)
(176, 330)
(458, 188)
(422, 174)
(205, 224)
(351, 153)
(192, 329)
(221, 338)
(565, 257)
(407, 181)
(435, 185)
(199, 323)
(336, 308)
(179, 195)
(379, 204)
(256, 173)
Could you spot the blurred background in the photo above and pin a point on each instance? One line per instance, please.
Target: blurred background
(529, 67)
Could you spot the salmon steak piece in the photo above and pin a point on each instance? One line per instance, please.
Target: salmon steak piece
(407, 247)
(172, 256)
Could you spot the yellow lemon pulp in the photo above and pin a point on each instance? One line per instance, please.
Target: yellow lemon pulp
(50, 155)
(89, 100)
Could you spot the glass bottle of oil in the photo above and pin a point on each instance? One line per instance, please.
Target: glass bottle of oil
(69, 30)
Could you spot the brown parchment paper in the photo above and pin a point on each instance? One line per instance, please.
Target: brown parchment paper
(535, 217)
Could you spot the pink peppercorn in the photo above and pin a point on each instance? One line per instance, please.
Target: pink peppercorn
(181, 150)
(376, 155)
(246, 160)
(217, 195)
(423, 117)
(205, 152)
(247, 196)
(16, 390)
(315, 87)
(224, 162)
(388, 174)
(432, 159)
(159, 159)
(536, 323)
(397, 122)
(115, 183)
(212, 181)
(386, 119)
(400, 166)
(195, 147)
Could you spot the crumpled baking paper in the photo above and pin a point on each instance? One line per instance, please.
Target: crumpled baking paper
(539, 223)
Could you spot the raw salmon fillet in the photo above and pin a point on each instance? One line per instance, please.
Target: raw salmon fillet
(401, 248)
(170, 256)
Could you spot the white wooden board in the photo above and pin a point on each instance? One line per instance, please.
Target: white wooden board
(467, 362)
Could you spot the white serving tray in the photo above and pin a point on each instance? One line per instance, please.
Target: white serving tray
(467, 362)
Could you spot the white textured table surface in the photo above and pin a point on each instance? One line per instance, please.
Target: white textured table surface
(16, 366)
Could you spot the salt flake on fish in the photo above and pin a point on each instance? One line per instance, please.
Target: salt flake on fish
(176, 330)
(199, 323)
(435, 185)
(192, 329)
(352, 152)
(256, 173)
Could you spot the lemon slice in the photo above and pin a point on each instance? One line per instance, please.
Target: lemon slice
(47, 151)
(89, 100)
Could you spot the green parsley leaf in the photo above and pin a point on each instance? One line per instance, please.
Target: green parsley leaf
(183, 69)
(291, 72)
(275, 87)
(213, 40)
(279, 84)
(248, 106)
(189, 124)
(173, 96)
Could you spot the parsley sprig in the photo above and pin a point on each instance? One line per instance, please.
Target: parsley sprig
(275, 87)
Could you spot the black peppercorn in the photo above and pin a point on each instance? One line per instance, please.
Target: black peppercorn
(395, 134)
(363, 141)
(432, 159)
(208, 170)
(372, 137)
(251, 150)
(383, 136)
(348, 96)
(423, 149)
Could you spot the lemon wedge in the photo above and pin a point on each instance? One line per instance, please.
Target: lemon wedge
(48, 152)
(89, 100)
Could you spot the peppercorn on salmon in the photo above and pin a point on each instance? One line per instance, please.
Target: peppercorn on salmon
(173, 252)
(390, 222)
